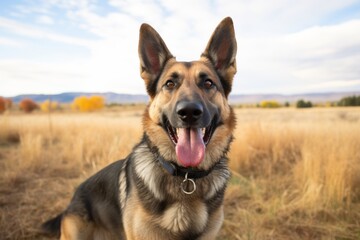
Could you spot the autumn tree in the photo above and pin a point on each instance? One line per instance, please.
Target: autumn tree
(97, 102)
(8, 103)
(48, 106)
(5, 104)
(270, 104)
(27, 105)
(87, 104)
(2, 105)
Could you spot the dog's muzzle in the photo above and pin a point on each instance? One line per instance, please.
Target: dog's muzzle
(192, 132)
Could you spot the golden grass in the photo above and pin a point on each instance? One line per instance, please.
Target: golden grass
(296, 175)
(295, 172)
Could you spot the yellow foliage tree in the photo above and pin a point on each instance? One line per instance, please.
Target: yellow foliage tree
(270, 104)
(97, 102)
(48, 105)
(87, 104)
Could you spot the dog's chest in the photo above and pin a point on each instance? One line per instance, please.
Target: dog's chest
(184, 216)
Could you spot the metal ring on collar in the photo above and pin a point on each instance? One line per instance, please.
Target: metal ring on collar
(188, 180)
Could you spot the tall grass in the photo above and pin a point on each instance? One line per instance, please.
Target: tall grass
(295, 172)
(41, 165)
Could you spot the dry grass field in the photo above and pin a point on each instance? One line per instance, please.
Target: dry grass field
(296, 173)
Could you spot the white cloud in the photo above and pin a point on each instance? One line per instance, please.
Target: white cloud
(303, 59)
(282, 46)
(10, 42)
(43, 19)
(28, 77)
(33, 32)
(258, 17)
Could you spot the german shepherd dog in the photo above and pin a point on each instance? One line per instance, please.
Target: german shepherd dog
(172, 184)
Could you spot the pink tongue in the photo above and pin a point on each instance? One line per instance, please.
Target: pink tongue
(190, 147)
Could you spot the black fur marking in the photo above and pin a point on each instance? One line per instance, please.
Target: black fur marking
(188, 64)
(224, 82)
(153, 149)
(128, 176)
(151, 87)
(191, 235)
(95, 199)
(175, 76)
(148, 200)
(226, 85)
(216, 201)
(52, 226)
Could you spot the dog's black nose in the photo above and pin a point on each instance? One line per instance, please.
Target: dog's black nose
(189, 112)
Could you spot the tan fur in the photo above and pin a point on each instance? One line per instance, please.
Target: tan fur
(140, 224)
(74, 227)
(214, 226)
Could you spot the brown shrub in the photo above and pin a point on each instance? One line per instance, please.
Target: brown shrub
(28, 105)
(2, 105)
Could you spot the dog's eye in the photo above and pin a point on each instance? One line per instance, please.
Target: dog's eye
(170, 84)
(208, 84)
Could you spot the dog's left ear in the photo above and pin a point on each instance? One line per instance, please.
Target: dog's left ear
(221, 51)
(153, 54)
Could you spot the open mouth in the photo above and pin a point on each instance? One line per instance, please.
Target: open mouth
(190, 143)
(205, 132)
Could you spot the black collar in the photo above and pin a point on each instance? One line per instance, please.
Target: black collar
(176, 170)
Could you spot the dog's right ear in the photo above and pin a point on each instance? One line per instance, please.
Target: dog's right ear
(153, 55)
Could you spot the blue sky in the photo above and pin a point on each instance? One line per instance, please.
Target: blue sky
(54, 46)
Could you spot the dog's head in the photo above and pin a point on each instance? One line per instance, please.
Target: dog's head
(188, 118)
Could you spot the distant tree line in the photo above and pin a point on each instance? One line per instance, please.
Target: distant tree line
(275, 104)
(93, 103)
(303, 104)
(350, 101)
(27, 105)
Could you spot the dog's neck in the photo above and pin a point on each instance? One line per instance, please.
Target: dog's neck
(176, 170)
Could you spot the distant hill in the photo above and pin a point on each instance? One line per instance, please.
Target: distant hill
(111, 97)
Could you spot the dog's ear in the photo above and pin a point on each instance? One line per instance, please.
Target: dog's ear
(221, 51)
(153, 55)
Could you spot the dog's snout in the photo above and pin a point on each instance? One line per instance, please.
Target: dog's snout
(189, 112)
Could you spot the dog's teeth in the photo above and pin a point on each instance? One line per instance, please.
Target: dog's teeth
(203, 130)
